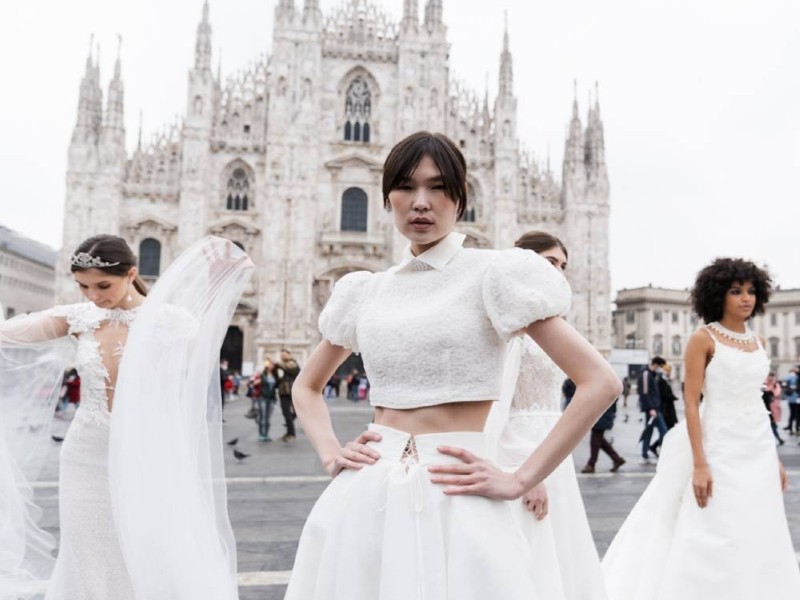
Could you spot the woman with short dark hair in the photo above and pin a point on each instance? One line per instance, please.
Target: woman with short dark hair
(712, 523)
(417, 511)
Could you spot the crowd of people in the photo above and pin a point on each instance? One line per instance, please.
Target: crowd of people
(462, 487)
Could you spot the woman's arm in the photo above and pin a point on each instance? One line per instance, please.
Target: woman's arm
(596, 388)
(315, 418)
(699, 351)
(29, 329)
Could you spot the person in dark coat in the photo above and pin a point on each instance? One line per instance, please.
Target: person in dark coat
(668, 398)
(285, 372)
(650, 405)
(598, 441)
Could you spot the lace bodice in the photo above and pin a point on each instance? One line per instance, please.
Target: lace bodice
(539, 383)
(100, 336)
(733, 379)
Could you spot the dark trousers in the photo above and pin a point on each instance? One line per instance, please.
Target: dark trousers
(647, 434)
(288, 414)
(794, 417)
(598, 442)
(264, 406)
(670, 416)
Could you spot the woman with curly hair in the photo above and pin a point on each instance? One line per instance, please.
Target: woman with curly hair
(712, 522)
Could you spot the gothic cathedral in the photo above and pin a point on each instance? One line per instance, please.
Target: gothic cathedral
(284, 159)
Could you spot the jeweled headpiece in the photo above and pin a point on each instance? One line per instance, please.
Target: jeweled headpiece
(84, 260)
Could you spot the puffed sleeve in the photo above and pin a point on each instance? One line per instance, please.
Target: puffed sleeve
(337, 321)
(521, 287)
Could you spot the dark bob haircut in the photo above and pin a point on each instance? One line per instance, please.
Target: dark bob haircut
(539, 241)
(714, 281)
(404, 158)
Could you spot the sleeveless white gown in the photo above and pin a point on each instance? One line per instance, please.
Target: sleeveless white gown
(738, 547)
(564, 558)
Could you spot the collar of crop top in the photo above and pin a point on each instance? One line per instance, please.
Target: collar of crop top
(438, 256)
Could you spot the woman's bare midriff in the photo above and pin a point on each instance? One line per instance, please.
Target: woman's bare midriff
(453, 416)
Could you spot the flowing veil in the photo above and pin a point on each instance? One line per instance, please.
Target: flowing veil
(33, 356)
(165, 458)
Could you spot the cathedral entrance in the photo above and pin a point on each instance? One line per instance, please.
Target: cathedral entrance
(232, 349)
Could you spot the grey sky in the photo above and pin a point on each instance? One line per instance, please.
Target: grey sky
(700, 101)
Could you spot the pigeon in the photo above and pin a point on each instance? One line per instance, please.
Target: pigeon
(57, 438)
(233, 442)
(239, 455)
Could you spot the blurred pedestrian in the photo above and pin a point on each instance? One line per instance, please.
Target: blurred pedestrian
(771, 395)
(286, 371)
(265, 401)
(598, 441)
(792, 399)
(650, 406)
(668, 397)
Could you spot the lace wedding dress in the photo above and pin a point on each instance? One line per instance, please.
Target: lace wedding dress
(564, 559)
(738, 547)
(90, 563)
(142, 492)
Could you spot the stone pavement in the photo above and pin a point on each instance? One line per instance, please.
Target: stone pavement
(271, 492)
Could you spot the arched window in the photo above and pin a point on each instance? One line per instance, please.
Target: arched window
(354, 210)
(150, 258)
(774, 350)
(658, 344)
(469, 215)
(357, 107)
(238, 190)
(677, 347)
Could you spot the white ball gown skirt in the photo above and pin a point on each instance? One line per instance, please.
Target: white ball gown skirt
(386, 532)
(737, 548)
(564, 559)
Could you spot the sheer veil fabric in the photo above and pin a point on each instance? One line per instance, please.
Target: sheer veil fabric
(32, 361)
(165, 455)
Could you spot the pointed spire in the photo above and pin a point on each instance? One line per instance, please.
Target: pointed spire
(115, 101)
(219, 66)
(506, 82)
(410, 20)
(433, 15)
(90, 100)
(202, 48)
(574, 149)
(311, 11)
(139, 139)
(284, 10)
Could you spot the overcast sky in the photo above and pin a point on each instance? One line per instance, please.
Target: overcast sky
(700, 101)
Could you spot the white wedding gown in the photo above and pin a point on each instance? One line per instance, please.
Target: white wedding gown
(142, 498)
(738, 547)
(564, 559)
(90, 563)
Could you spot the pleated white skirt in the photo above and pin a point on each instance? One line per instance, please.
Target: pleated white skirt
(386, 532)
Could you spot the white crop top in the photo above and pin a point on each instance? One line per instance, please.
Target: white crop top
(433, 329)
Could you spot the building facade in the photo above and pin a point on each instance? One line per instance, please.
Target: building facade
(661, 320)
(27, 274)
(285, 159)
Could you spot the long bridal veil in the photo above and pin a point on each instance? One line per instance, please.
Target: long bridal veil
(165, 459)
(32, 361)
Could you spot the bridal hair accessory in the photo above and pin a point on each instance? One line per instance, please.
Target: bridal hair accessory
(740, 338)
(84, 260)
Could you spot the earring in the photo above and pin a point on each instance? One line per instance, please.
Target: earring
(129, 293)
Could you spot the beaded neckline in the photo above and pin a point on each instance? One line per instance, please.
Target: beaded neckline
(739, 338)
(122, 316)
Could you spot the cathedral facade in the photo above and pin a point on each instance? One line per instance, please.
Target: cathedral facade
(284, 158)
